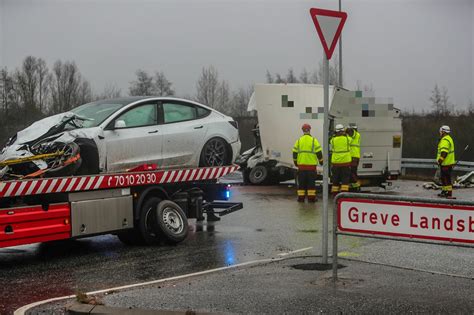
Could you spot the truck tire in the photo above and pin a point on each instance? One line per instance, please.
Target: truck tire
(246, 176)
(259, 175)
(147, 224)
(172, 222)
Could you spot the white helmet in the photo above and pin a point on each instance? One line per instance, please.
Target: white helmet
(445, 129)
(339, 127)
(352, 126)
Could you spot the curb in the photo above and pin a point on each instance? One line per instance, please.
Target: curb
(86, 309)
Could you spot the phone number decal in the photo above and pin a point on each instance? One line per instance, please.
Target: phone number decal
(132, 179)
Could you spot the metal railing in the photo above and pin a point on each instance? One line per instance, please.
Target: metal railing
(462, 166)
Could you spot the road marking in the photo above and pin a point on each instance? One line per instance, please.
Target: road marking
(295, 251)
(22, 310)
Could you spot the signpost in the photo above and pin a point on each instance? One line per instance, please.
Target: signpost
(329, 26)
(412, 220)
(403, 218)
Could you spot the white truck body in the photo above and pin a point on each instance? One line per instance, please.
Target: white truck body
(283, 108)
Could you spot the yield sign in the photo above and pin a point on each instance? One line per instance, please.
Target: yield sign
(329, 26)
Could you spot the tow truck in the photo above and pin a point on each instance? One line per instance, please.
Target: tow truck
(143, 205)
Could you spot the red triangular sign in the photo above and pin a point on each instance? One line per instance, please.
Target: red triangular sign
(329, 26)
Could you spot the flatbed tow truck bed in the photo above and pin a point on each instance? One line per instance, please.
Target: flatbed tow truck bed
(142, 207)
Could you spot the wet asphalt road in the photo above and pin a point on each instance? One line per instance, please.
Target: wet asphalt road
(271, 223)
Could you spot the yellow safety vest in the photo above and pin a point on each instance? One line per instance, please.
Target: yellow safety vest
(355, 145)
(306, 147)
(446, 144)
(341, 150)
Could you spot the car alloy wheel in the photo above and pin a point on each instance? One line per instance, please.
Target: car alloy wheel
(215, 152)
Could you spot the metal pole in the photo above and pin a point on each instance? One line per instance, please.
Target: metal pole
(326, 159)
(340, 52)
(334, 242)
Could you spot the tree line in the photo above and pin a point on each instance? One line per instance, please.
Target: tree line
(33, 90)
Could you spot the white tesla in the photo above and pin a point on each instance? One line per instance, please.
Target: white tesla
(117, 134)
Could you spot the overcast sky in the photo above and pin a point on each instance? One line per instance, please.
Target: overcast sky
(401, 47)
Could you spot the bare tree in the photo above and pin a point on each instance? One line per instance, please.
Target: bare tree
(333, 73)
(110, 91)
(448, 107)
(223, 103)
(44, 78)
(470, 107)
(279, 79)
(162, 86)
(290, 77)
(25, 79)
(207, 87)
(84, 93)
(314, 79)
(440, 101)
(269, 77)
(304, 76)
(143, 86)
(7, 92)
(67, 87)
(240, 100)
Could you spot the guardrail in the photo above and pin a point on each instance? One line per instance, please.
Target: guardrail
(462, 166)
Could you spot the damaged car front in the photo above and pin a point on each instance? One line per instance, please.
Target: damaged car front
(49, 147)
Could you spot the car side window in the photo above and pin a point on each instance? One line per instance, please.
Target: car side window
(174, 112)
(143, 115)
(202, 112)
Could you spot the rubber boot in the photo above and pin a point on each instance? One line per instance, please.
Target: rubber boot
(449, 195)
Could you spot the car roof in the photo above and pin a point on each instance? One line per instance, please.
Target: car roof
(133, 99)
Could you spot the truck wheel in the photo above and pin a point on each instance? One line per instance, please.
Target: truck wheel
(147, 224)
(258, 175)
(246, 176)
(172, 222)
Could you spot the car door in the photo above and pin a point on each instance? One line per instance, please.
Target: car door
(184, 128)
(136, 140)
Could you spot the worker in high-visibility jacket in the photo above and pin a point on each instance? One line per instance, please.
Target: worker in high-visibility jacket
(446, 160)
(341, 159)
(355, 154)
(307, 153)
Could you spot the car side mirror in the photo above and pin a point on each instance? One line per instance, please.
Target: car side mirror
(119, 124)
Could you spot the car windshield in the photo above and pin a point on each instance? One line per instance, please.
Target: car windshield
(96, 112)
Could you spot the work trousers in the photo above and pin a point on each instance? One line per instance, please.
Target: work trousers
(447, 186)
(354, 181)
(340, 178)
(306, 185)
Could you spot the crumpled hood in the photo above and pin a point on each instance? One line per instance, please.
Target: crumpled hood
(39, 128)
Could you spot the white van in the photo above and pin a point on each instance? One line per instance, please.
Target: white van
(283, 108)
